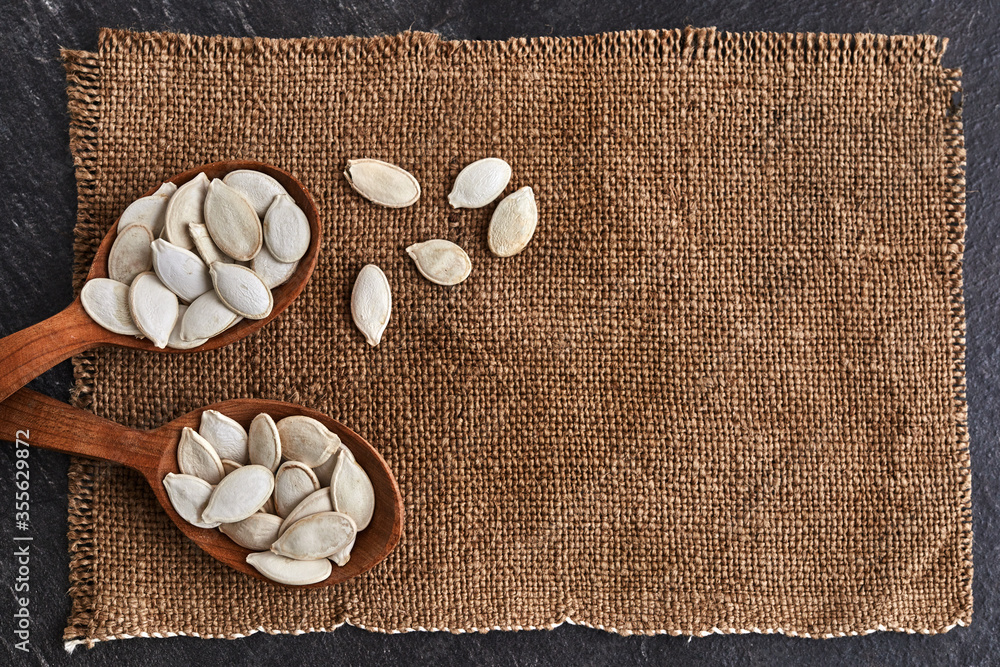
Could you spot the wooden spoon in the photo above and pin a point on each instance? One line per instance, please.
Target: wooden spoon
(51, 424)
(28, 353)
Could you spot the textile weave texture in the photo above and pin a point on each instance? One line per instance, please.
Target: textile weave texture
(722, 390)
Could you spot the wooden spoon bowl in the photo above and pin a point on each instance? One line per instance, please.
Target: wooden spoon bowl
(28, 353)
(52, 424)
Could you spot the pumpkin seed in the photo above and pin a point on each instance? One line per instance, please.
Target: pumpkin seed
(270, 270)
(268, 507)
(264, 442)
(480, 183)
(344, 555)
(307, 440)
(149, 212)
(316, 536)
(207, 316)
(240, 494)
(153, 308)
(180, 270)
(232, 222)
(256, 187)
(196, 456)
(106, 301)
(513, 223)
(189, 495)
(205, 246)
(257, 531)
(293, 482)
(228, 465)
(227, 436)
(242, 290)
(324, 471)
(351, 492)
(289, 571)
(441, 262)
(186, 206)
(166, 189)
(131, 254)
(316, 502)
(286, 230)
(383, 183)
(371, 303)
(175, 342)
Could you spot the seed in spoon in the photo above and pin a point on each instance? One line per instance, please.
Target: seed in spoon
(480, 183)
(352, 493)
(513, 223)
(270, 270)
(226, 435)
(371, 303)
(106, 301)
(344, 555)
(239, 494)
(242, 290)
(175, 341)
(289, 571)
(205, 246)
(286, 230)
(383, 183)
(149, 212)
(258, 188)
(166, 189)
(180, 270)
(207, 316)
(264, 442)
(316, 502)
(130, 254)
(307, 440)
(324, 471)
(186, 206)
(232, 222)
(197, 457)
(228, 465)
(317, 536)
(293, 482)
(441, 262)
(256, 532)
(189, 495)
(153, 308)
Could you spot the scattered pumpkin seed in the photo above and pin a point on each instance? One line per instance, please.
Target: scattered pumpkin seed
(441, 262)
(371, 303)
(480, 183)
(383, 183)
(513, 223)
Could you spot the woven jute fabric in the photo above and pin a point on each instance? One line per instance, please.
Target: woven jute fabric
(722, 390)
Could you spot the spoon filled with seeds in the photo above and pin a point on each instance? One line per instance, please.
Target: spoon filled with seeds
(275, 490)
(202, 260)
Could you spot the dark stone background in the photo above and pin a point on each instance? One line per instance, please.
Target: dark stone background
(37, 212)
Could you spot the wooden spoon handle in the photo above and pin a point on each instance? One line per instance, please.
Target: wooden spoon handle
(28, 353)
(45, 422)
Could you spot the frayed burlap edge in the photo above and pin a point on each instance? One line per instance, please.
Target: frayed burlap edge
(83, 92)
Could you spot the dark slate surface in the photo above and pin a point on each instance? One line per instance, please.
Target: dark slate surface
(37, 210)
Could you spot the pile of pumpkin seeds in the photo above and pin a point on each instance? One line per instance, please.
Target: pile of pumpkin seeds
(190, 262)
(438, 260)
(290, 491)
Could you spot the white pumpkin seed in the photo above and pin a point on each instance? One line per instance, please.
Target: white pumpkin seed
(189, 495)
(289, 571)
(265, 442)
(153, 308)
(344, 555)
(207, 316)
(315, 502)
(257, 187)
(513, 223)
(351, 492)
(166, 189)
(324, 471)
(240, 494)
(242, 290)
(383, 183)
(441, 262)
(371, 303)
(228, 465)
(480, 183)
(257, 531)
(149, 212)
(180, 270)
(130, 255)
(232, 222)
(206, 247)
(293, 483)
(106, 301)
(196, 456)
(270, 270)
(175, 341)
(317, 536)
(286, 229)
(186, 206)
(268, 507)
(307, 440)
(227, 436)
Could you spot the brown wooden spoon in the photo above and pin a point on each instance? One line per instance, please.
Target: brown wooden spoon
(51, 424)
(28, 353)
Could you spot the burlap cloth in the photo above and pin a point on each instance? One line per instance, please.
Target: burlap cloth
(722, 390)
